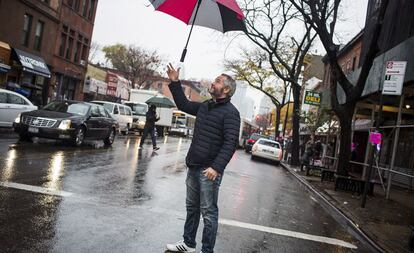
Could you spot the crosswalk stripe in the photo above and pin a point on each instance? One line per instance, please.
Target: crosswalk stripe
(37, 189)
(288, 233)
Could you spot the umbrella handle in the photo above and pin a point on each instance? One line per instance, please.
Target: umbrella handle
(191, 30)
(183, 54)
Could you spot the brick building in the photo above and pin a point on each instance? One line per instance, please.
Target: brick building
(44, 47)
(72, 47)
(349, 57)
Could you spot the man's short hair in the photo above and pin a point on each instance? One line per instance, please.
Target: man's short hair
(231, 83)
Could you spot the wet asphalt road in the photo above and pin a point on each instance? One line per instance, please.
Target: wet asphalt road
(97, 199)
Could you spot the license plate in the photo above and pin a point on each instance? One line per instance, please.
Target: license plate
(33, 130)
(268, 151)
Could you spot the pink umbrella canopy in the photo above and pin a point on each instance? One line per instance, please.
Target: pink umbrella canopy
(220, 15)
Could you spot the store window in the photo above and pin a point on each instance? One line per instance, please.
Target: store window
(74, 4)
(63, 40)
(38, 35)
(91, 9)
(69, 48)
(78, 49)
(85, 7)
(85, 49)
(27, 27)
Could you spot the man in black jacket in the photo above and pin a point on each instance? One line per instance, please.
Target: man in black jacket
(149, 128)
(215, 138)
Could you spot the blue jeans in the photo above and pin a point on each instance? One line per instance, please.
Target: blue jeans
(202, 196)
(151, 131)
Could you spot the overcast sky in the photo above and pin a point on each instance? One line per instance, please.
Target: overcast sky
(136, 22)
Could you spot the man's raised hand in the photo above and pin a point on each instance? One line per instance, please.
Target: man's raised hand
(173, 74)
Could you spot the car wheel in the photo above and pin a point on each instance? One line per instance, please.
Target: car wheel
(111, 137)
(277, 163)
(25, 137)
(79, 136)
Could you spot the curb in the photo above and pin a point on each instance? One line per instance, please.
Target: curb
(338, 215)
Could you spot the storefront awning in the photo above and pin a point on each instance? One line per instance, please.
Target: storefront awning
(361, 124)
(4, 57)
(32, 63)
(4, 68)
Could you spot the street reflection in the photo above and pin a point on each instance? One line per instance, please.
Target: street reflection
(180, 142)
(55, 169)
(127, 141)
(8, 170)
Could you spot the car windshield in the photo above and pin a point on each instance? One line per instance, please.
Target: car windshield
(269, 144)
(257, 136)
(139, 109)
(109, 107)
(178, 120)
(73, 108)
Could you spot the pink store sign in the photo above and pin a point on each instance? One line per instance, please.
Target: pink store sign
(375, 138)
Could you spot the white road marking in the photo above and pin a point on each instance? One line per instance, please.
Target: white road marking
(288, 233)
(227, 222)
(37, 189)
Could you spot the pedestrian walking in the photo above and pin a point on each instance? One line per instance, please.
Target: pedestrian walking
(308, 154)
(149, 128)
(214, 142)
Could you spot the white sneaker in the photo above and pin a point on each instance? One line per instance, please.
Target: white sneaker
(179, 247)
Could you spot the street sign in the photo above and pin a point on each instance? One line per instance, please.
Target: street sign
(375, 138)
(394, 77)
(312, 98)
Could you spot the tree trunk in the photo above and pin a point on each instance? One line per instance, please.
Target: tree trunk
(277, 121)
(295, 126)
(345, 121)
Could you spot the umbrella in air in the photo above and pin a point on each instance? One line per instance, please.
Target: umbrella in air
(160, 102)
(221, 15)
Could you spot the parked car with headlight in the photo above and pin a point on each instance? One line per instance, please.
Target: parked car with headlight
(73, 121)
(267, 149)
(11, 105)
(139, 111)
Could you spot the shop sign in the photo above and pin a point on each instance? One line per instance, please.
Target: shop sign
(375, 138)
(32, 63)
(394, 77)
(312, 98)
(96, 86)
(112, 81)
(122, 91)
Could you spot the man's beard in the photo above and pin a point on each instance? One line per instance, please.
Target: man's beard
(215, 93)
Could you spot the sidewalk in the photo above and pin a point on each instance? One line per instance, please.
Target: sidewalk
(386, 222)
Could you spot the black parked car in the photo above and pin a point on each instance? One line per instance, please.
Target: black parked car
(252, 140)
(73, 121)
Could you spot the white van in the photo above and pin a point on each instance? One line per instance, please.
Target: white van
(139, 111)
(121, 113)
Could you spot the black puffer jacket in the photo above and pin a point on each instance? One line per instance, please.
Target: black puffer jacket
(216, 130)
